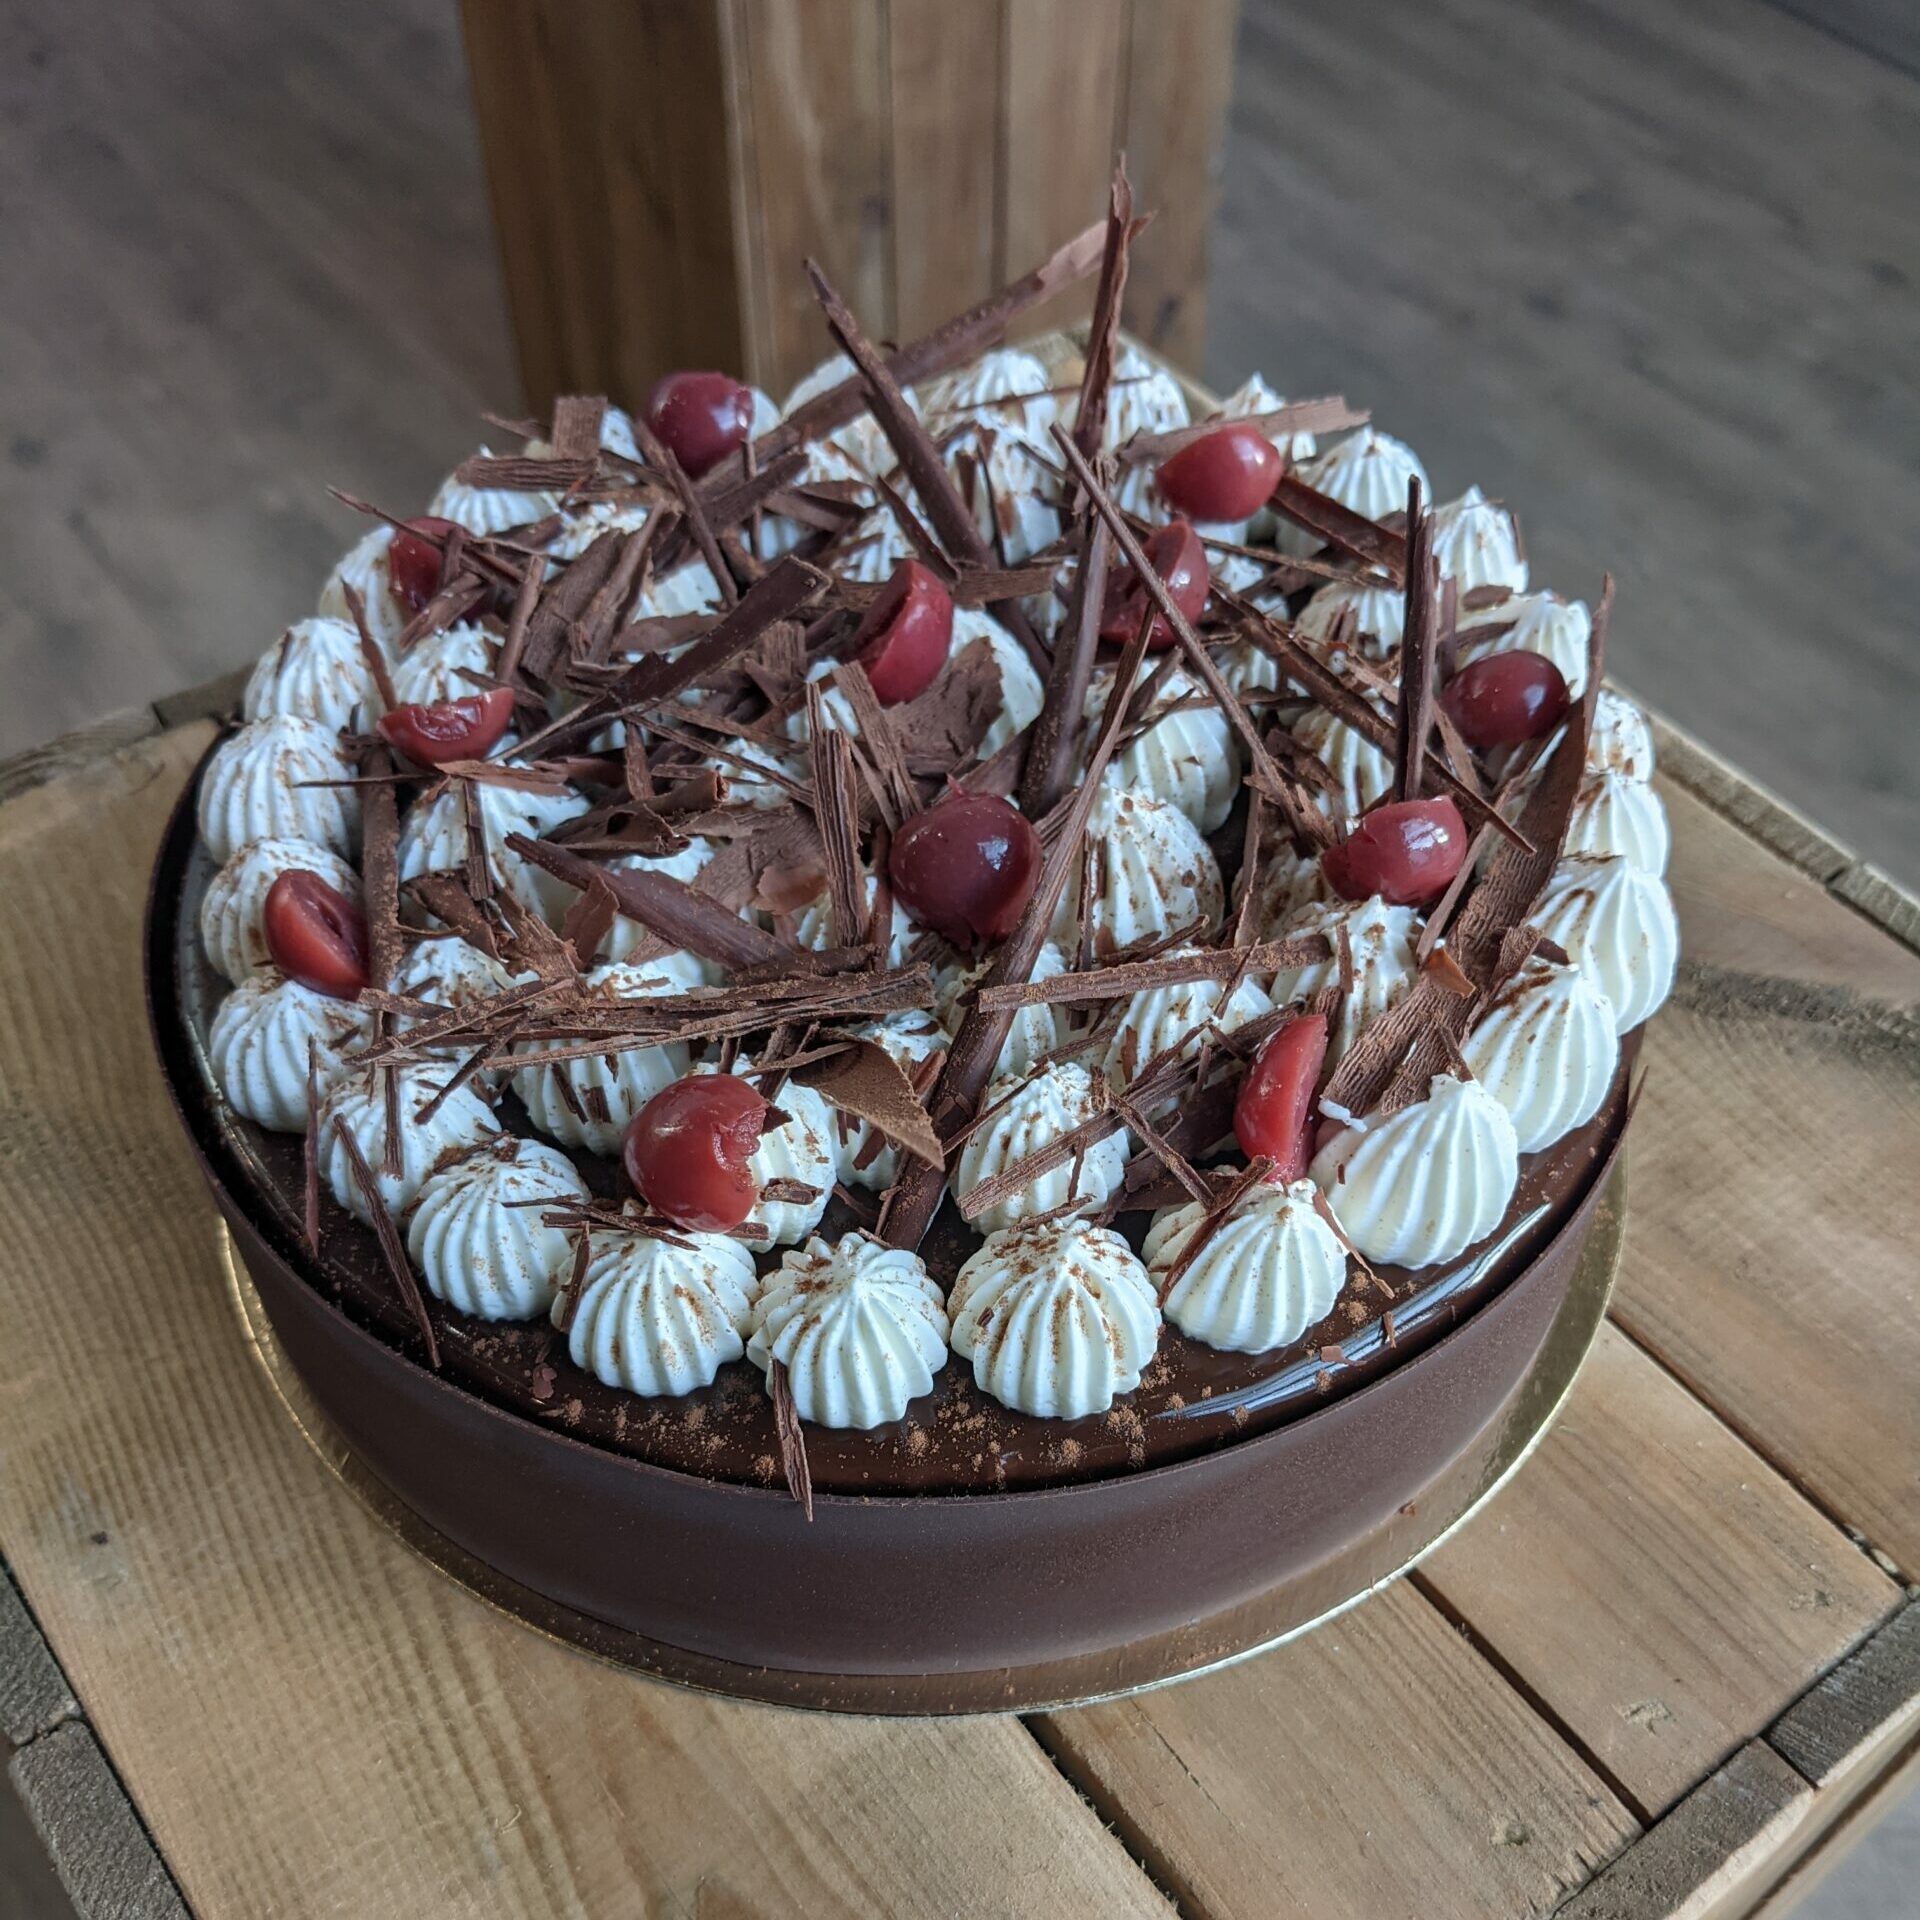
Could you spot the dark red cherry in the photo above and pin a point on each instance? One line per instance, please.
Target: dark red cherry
(315, 934)
(1176, 555)
(1406, 851)
(687, 1151)
(413, 563)
(1506, 698)
(966, 867)
(1225, 476)
(1272, 1116)
(462, 729)
(904, 638)
(702, 417)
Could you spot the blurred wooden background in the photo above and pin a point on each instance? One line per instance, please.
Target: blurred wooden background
(926, 152)
(1653, 273)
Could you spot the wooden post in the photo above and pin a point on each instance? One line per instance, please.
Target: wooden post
(660, 168)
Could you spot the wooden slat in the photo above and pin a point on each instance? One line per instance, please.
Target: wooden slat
(1179, 80)
(1377, 1767)
(311, 1719)
(1871, 1698)
(1655, 1585)
(607, 167)
(1769, 1246)
(1064, 73)
(816, 104)
(945, 113)
(1718, 1839)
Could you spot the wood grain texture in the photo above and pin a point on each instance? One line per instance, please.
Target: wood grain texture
(1377, 1767)
(247, 257)
(1707, 1851)
(1870, 1698)
(366, 1738)
(817, 97)
(1065, 67)
(105, 1863)
(944, 73)
(1769, 1248)
(1179, 80)
(1649, 272)
(1652, 1584)
(610, 190)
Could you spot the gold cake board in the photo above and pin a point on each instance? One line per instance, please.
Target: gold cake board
(1535, 1406)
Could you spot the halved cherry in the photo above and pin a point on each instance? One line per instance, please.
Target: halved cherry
(1176, 555)
(1227, 475)
(966, 866)
(687, 1150)
(702, 417)
(315, 934)
(1405, 851)
(903, 640)
(413, 563)
(1273, 1113)
(1506, 698)
(462, 729)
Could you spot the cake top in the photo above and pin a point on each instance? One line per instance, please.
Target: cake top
(977, 783)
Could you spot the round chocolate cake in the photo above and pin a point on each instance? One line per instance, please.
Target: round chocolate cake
(945, 1046)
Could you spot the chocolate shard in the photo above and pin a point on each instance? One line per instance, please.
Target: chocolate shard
(1090, 418)
(865, 1080)
(1340, 526)
(793, 1441)
(1415, 718)
(380, 860)
(1328, 415)
(665, 906)
(1069, 674)
(399, 1270)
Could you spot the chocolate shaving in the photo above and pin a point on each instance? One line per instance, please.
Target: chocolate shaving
(1090, 419)
(1328, 415)
(838, 812)
(567, 1301)
(1070, 672)
(577, 419)
(895, 793)
(1340, 526)
(1123, 980)
(376, 661)
(507, 668)
(590, 919)
(1416, 652)
(1219, 1210)
(447, 900)
(310, 1153)
(564, 600)
(692, 505)
(865, 1080)
(388, 1235)
(793, 1443)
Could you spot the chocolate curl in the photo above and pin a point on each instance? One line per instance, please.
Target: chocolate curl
(1328, 415)
(1340, 526)
(664, 906)
(920, 458)
(947, 346)
(661, 457)
(1090, 420)
(370, 647)
(916, 1197)
(388, 1235)
(793, 1441)
(380, 844)
(1050, 756)
(1264, 775)
(1416, 652)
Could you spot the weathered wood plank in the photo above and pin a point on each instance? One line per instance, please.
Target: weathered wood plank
(1063, 70)
(1769, 1245)
(1653, 1583)
(1378, 1766)
(34, 1695)
(1872, 1698)
(945, 113)
(817, 100)
(107, 735)
(1718, 1838)
(102, 1855)
(611, 197)
(1174, 124)
(366, 1738)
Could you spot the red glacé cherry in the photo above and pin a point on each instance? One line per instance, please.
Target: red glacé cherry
(687, 1151)
(1176, 555)
(702, 417)
(413, 564)
(1276, 1098)
(315, 934)
(904, 638)
(461, 729)
(1223, 477)
(1505, 699)
(1405, 851)
(966, 867)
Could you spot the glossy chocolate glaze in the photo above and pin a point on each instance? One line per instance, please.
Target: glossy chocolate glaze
(955, 1440)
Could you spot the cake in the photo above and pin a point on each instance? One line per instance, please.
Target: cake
(950, 1030)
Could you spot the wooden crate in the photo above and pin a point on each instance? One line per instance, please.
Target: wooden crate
(660, 168)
